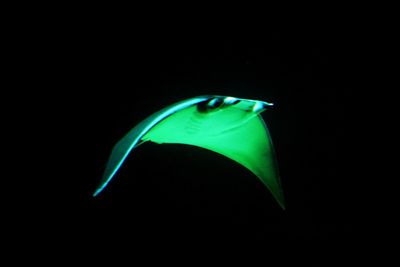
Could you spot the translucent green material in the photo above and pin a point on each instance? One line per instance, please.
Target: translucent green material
(226, 125)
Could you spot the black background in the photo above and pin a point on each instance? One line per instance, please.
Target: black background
(100, 79)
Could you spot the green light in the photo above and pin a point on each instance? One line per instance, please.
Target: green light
(226, 125)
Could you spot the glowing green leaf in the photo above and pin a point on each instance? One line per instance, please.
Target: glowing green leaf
(226, 125)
